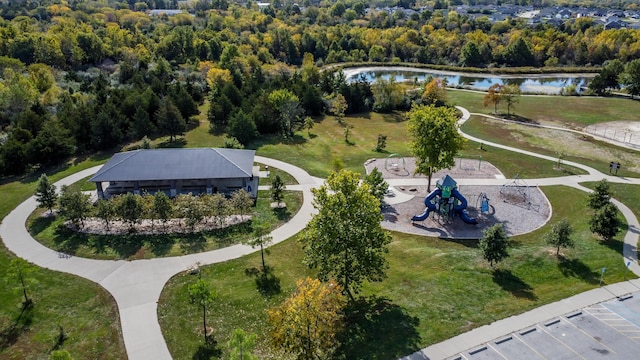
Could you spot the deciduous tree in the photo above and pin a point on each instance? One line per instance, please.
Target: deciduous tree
(241, 201)
(46, 193)
(494, 244)
(435, 140)
(560, 235)
(129, 209)
(277, 189)
(261, 238)
(345, 239)
(74, 205)
(105, 211)
(201, 295)
(600, 196)
(493, 96)
(511, 95)
(307, 322)
(241, 345)
(22, 271)
(162, 208)
(631, 77)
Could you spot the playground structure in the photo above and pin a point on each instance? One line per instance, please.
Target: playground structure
(447, 201)
(517, 192)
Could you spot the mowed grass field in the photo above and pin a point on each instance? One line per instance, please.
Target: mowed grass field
(435, 288)
(96, 319)
(569, 111)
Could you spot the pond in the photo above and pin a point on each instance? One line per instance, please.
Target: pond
(529, 83)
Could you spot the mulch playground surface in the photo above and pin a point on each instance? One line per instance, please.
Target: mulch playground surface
(520, 209)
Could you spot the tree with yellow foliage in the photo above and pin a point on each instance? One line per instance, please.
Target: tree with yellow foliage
(307, 322)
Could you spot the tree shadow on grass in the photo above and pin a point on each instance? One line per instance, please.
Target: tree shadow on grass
(377, 329)
(513, 284)
(11, 334)
(176, 143)
(207, 351)
(578, 269)
(67, 240)
(282, 214)
(267, 283)
(41, 223)
(193, 243)
(160, 245)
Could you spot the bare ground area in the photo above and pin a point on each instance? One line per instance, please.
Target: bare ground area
(519, 214)
(403, 168)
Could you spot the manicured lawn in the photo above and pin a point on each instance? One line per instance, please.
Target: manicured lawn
(625, 193)
(570, 111)
(435, 288)
(86, 312)
(50, 232)
(285, 177)
(551, 142)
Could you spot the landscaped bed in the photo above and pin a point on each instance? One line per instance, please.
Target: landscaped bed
(50, 231)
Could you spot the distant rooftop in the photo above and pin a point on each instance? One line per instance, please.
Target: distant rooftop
(177, 164)
(158, 12)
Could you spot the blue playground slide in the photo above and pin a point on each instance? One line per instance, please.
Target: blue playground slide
(459, 209)
(430, 206)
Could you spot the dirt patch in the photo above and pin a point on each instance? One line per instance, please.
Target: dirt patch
(519, 211)
(625, 132)
(404, 168)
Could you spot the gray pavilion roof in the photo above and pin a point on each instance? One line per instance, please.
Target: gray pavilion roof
(177, 164)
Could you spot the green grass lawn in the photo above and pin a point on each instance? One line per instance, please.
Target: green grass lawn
(86, 312)
(50, 232)
(590, 152)
(435, 288)
(571, 111)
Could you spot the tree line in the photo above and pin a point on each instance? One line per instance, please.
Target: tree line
(131, 209)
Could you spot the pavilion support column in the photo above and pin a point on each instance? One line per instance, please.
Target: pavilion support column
(136, 188)
(172, 190)
(209, 187)
(100, 190)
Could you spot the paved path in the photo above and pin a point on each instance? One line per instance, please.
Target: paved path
(486, 333)
(136, 285)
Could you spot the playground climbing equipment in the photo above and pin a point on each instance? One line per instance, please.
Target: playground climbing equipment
(446, 201)
(517, 192)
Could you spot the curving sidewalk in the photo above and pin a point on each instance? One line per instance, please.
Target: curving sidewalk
(136, 285)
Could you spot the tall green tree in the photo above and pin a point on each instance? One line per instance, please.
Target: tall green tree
(241, 201)
(604, 222)
(129, 208)
(560, 235)
(46, 193)
(277, 189)
(377, 184)
(600, 196)
(22, 271)
(345, 239)
(435, 140)
(494, 244)
(241, 345)
(74, 205)
(162, 208)
(261, 238)
(511, 95)
(631, 77)
(242, 127)
(106, 211)
(201, 295)
(286, 106)
(169, 119)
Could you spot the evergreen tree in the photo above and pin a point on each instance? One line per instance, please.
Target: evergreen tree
(46, 193)
(170, 121)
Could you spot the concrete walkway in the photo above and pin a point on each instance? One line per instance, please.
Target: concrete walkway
(484, 334)
(136, 285)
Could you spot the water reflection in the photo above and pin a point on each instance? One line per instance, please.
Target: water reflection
(546, 84)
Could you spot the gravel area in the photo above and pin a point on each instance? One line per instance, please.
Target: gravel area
(403, 168)
(517, 213)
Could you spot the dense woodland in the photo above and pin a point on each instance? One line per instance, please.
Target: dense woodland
(83, 76)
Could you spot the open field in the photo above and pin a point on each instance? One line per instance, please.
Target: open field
(569, 111)
(435, 288)
(587, 151)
